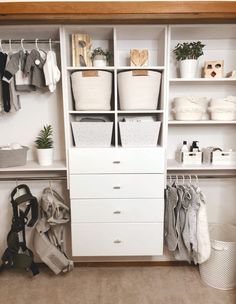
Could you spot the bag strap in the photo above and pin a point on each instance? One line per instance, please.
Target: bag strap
(32, 205)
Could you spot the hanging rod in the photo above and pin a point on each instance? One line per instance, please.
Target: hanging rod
(43, 178)
(186, 176)
(18, 41)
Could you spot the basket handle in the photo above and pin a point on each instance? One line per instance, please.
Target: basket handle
(90, 73)
(140, 73)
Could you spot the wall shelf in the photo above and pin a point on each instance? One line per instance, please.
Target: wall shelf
(173, 165)
(203, 80)
(33, 166)
(140, 112)
(91, 112)
(108, 68)
(202, 122)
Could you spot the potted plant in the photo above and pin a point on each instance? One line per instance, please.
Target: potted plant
(44, 145)
(100, 57)
(187, 53)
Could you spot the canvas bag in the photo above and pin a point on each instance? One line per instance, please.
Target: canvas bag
(49, 232)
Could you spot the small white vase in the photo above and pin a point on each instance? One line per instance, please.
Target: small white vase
(45, 156)
(188, 68)
(99, 61)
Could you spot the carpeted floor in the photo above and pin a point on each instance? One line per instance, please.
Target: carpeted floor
(118, 285)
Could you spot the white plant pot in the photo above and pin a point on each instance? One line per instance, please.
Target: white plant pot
(45, 156)
(99, 62)
(188, 68)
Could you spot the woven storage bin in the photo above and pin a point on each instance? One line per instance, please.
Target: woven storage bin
(13, 158)
(139, 89)
(92, 134)
(139, 134)
(92, 90)
(220, 270)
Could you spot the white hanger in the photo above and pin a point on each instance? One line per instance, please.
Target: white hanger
(10, 47)
(50, 44)
(36, 44)
(1, 49)
(22, 44)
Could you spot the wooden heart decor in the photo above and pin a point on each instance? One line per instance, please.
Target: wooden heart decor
(138, 57)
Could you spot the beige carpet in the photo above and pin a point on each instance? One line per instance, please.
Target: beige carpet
(118, 285)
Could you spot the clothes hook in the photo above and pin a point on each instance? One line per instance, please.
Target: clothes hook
(17, 191)
(36, 44)
(50, 44)
(10, 47)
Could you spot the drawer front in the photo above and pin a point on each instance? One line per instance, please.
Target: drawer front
(117, 186)
(117, 210)
(117, 239)
(133, 160)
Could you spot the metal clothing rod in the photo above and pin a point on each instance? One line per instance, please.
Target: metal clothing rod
(18, 41)
(44, 178)
(201, 176)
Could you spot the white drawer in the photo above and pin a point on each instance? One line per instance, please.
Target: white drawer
(132, 160)
(117, 186)
(117, 210)
(117, 239)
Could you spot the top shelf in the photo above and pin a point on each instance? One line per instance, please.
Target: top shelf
(120, 68)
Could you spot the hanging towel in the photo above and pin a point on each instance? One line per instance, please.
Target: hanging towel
(51, 72)
(203, 236)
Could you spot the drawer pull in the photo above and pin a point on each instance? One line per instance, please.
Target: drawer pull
(117, 241)
(116, 162)
(117, 212)
(116, 187)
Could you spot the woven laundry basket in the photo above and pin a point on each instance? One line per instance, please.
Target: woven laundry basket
(92, 90)
(13, 157)
(92, 134)
(139, 89)
(220, 270)
(139, 134)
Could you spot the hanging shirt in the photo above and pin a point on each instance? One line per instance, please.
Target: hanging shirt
(34, 68)
(15, 67)
(4, 86)
(51, 72)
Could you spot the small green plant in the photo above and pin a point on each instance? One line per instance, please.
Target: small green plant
(44, 140)
(189, 50)
(100, 52)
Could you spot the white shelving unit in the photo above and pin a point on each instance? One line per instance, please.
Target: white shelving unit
(119, 40)
(58, 109)
(220, 44)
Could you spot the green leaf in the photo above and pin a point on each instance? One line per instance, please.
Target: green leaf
(44, 139)
(188, 50)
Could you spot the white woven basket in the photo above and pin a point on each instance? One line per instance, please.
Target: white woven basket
(92, 134)
(139, 134)
(92, 90)
(220, 270)
(138, 91)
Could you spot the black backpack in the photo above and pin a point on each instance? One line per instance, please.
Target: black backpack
(17, 255)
